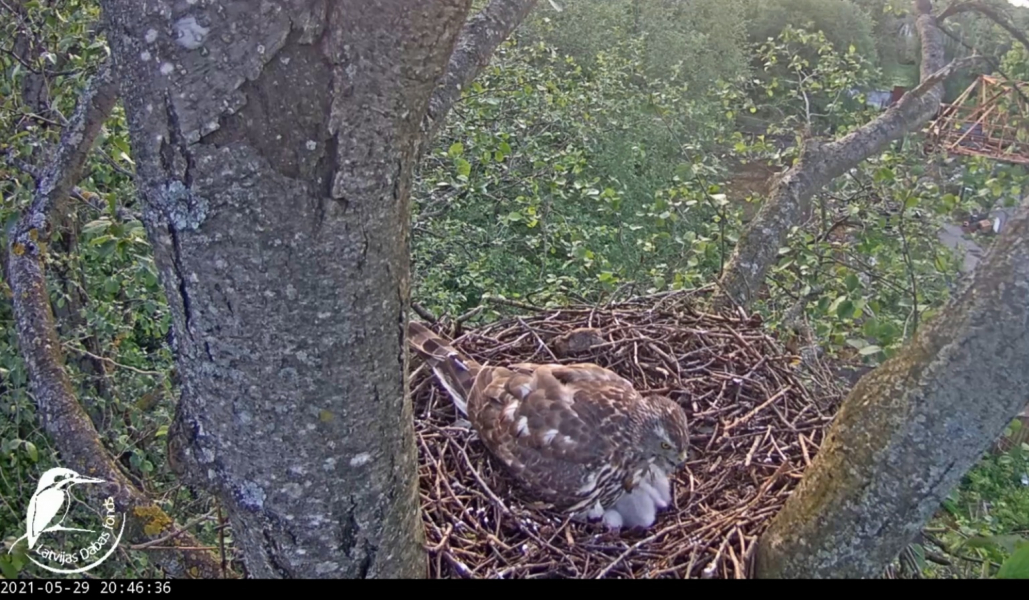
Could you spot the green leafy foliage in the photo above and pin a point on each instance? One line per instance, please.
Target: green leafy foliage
(1015, 63)
(1017, 565)
(986, 520)
(697, 42)
(809, 82)
(551, 180)
(843, 23)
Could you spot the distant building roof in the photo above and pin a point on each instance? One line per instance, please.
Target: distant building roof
(875, 98)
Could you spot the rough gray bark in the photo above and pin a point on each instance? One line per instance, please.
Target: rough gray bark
(758, 248)
(274, 148)
(60, 413)
(912, 428)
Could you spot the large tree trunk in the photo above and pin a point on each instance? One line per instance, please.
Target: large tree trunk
(912, 428)
(274, 146)
(758, 248)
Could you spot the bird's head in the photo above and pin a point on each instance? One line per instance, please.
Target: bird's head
(60, 478)
(668, 438)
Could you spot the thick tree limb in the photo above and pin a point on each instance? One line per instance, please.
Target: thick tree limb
(912, 428)
(758, 247)
(62, 416)
(989, 12)
(475, 45)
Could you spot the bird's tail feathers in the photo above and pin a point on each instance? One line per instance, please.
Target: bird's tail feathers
(453, 370)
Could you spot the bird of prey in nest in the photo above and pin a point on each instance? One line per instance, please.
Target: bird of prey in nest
(577, 436)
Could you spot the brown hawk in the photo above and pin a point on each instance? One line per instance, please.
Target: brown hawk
(577, 436)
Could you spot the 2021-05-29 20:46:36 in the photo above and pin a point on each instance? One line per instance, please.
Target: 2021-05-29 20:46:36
(74, 588)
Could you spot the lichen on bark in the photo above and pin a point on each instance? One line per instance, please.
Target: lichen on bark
(912, 428)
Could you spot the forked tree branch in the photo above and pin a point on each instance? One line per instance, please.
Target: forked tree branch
(481, 36)
(911, 429)
(61, 415)
(758, 246)
(989, 12)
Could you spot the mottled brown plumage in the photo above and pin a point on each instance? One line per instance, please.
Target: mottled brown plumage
(577, 436)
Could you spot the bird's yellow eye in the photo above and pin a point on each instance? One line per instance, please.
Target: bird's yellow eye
(666, 445)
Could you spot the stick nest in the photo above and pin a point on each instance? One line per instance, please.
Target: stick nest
(755, 426)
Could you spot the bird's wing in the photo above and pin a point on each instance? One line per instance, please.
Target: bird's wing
(557, 427)
(455, 371)
(43, 507)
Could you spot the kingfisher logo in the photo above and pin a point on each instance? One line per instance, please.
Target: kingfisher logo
(47, 517)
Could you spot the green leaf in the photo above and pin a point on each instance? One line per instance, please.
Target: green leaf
(859, 309)
(96, 226)
(872, 349)
(102, 239)
(845, 310)
(464, 168)
(7, 568)
(456, 149)
(121, 144)
(1008, 542)
(1017, 565)
(32, 451)
(918, 554)
(684, 170)
(852, 282)
(857, 343)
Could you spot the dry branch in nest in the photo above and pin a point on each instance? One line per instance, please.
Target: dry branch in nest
(755, 426)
